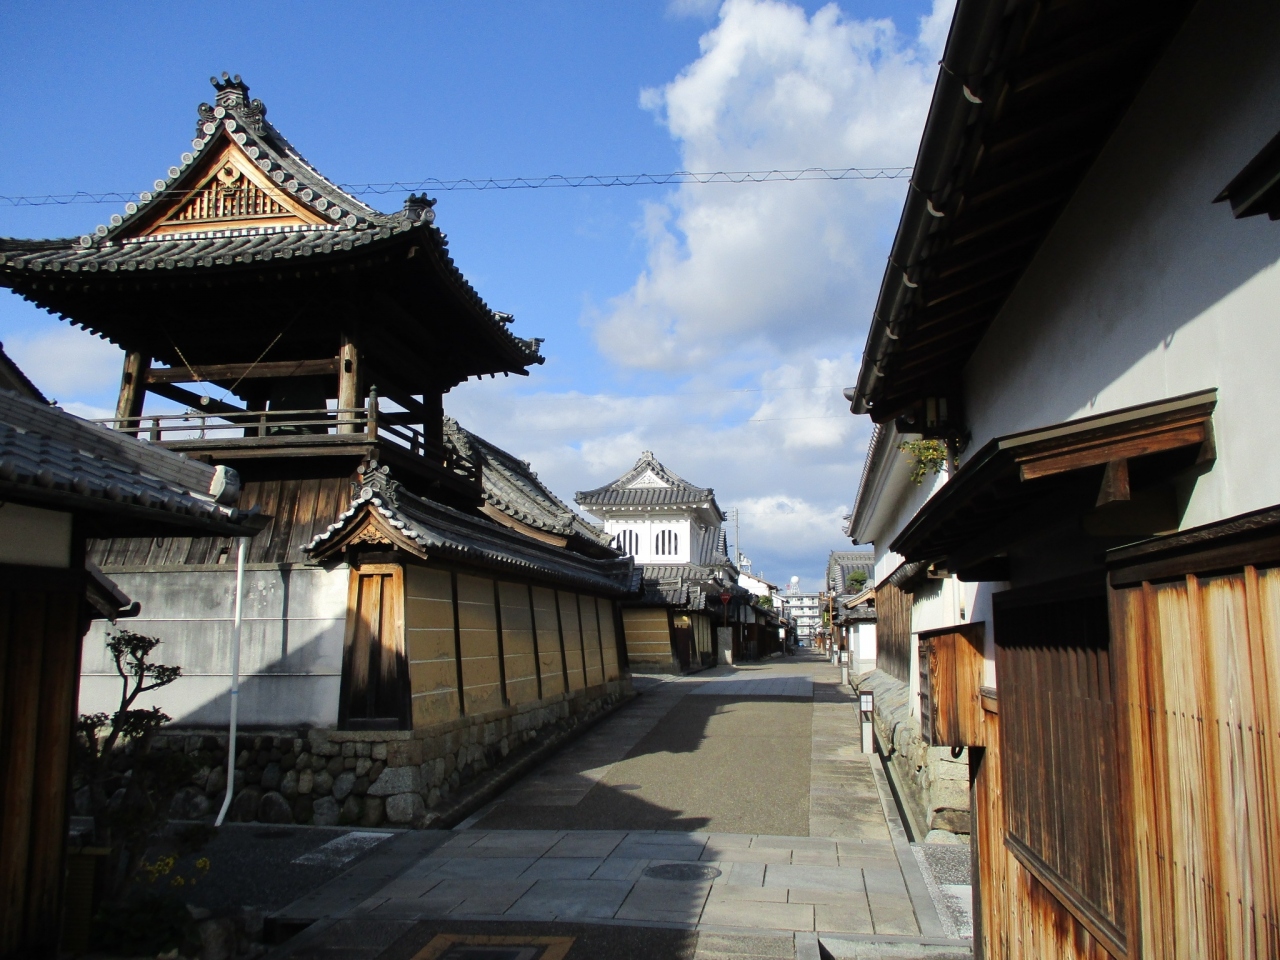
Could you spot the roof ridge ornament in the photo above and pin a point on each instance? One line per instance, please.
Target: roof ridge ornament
(419, 208)
(232, 91)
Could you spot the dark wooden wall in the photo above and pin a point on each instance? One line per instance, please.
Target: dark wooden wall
(893, 631)
(299, 510)
(39, 677)
(1061, 774)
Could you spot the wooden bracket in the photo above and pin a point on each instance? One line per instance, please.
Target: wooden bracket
(1115, 483)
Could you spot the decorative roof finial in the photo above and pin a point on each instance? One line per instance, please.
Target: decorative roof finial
(418, 208)
(232, 91)
(647, 455)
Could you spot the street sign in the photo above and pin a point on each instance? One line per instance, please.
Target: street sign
(724, 597)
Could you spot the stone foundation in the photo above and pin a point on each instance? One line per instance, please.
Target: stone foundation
(932, 785)
(367, 778)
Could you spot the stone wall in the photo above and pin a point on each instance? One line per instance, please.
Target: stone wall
(932, 785)
(326, 776)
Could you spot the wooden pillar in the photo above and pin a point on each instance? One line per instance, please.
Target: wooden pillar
(433, 416)
(133, 389)
(348, 383)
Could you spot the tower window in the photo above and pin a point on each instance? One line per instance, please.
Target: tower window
(628, 542)
(667, 543)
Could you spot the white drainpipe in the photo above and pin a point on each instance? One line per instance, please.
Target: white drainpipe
(242, 547)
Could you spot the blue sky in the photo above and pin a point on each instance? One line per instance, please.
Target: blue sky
(714, 325)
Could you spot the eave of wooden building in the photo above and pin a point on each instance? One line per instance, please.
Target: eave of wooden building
(1028, 94)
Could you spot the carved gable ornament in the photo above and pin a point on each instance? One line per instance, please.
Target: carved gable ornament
(648, 479)
(229, 192)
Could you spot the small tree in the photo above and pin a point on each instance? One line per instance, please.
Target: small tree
(856, 582)
(129, 787)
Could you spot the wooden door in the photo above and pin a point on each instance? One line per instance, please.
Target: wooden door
(375, 671)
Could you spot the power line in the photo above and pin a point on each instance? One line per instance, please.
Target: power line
(551, 181)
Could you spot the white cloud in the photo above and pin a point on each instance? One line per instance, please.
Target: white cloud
(65, 361)
(783, 266)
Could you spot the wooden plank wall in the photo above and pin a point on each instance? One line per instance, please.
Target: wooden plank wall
(1059, 737)
(1015, 916)
(1200, 676)
(475, 645)
(299, 510)
(893, 631)
(648, 635)
(39, 673)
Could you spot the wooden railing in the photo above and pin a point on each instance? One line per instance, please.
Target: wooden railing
(257, 425)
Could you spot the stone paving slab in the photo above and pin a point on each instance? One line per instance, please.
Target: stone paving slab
(799, 687)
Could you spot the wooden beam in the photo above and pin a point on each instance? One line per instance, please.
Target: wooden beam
(244, 371)
(1092, 452)
(1115, 483)
(194, 400)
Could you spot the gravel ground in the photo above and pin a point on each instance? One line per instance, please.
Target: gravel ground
(949, 862)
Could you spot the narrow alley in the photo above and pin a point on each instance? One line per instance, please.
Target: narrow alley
(729, 813)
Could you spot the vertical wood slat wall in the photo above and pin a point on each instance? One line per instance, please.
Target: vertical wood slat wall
(518, 643)
(1015, 916)
(298, 511)
(39, 672)
(1199, 658)
(1060, 743)
(893, 631)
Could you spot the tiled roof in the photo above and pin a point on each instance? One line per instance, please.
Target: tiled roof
(841, 563)
(12, 378)
(688, 586)
(349, 224)
(668, 488)
(50, 458)
(432, 530)
(510, 485)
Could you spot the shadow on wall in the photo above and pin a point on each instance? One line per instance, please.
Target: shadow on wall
(291, 646)
(1142, 251)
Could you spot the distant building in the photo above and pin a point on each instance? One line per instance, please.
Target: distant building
(804, 610)
(673, 529)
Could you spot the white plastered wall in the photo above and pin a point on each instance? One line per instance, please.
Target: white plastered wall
(1146, 289)
(291, 646)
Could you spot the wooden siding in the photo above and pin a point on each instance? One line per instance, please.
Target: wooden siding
(1200, 671)
(478, 635)
(299, 510)
(517, 644)
(571, 631)
(429, 638)
(1061, 782)
(551, 655)
(893, 631)
(608, 637)
(591, 651)
(39, 660)
(647, 632)
(1015, 916)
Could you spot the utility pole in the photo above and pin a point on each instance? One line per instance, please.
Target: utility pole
(737, 548)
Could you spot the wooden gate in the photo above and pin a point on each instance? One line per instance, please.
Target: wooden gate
(375, 671)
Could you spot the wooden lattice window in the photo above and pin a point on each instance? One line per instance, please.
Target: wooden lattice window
(627, 542)
(667, 543)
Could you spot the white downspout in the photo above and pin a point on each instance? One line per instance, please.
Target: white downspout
(242, 547)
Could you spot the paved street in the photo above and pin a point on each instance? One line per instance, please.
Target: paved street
(730, 813)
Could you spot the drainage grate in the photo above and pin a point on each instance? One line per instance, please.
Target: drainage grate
(467, 951)
(684, 872)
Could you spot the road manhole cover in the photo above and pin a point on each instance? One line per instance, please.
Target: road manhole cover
(685, 872)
